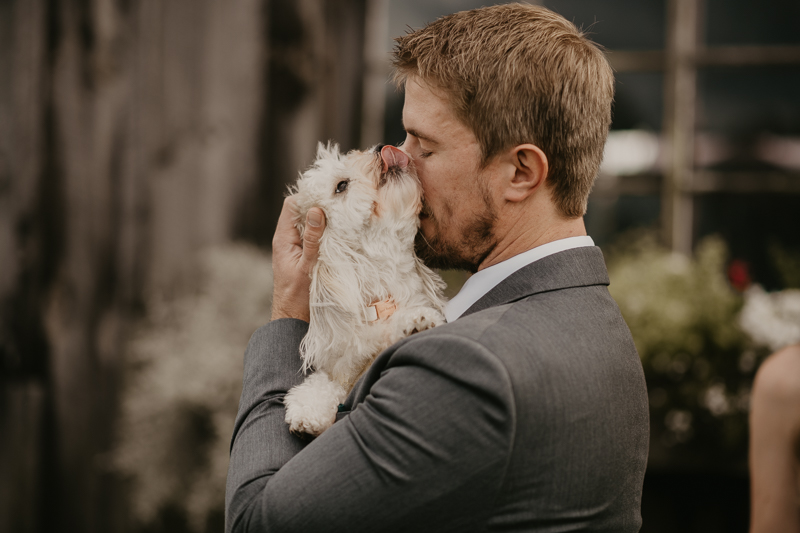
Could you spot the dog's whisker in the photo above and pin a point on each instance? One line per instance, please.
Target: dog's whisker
(426, 241)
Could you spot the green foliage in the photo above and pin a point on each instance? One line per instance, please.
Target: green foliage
(787, 263)
(698, 362)
(454, 279)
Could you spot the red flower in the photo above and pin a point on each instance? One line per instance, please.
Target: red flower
(739, 275)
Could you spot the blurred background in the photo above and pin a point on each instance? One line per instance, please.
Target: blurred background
(145, 149)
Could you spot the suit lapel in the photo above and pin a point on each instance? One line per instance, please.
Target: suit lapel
(578, 267)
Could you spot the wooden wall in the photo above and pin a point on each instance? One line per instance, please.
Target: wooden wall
(133, 133)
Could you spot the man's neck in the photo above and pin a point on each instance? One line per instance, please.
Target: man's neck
(521, 237)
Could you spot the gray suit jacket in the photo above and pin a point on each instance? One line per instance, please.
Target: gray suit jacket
(528, 413)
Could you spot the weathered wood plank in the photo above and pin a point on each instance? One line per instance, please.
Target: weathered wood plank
(133, 134)
(22, 404)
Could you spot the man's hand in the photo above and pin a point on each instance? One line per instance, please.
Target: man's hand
(292, 261)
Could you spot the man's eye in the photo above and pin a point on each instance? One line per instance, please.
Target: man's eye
(424, 154)
(341, 186)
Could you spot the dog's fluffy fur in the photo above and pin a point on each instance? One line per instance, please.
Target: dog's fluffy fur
(366, 255)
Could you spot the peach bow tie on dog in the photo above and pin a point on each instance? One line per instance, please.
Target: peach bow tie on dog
(368, 288)
(380, 310)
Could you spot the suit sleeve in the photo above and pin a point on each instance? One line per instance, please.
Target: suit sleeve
(261, 442)
(425, 451)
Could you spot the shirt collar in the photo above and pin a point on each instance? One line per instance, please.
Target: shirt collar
(485, 280)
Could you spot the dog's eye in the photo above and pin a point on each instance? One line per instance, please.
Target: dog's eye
(341, 186)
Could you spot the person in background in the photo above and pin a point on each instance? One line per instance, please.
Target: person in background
(775, 444)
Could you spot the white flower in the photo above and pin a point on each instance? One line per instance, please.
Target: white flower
(679, 422)
(771, 319)
(716, 400)
(187, 356)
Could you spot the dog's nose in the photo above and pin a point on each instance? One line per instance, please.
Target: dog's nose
(379, 148)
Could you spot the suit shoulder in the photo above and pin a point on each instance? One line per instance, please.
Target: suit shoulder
(447, 346)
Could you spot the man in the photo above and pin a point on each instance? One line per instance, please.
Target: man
(527, 411)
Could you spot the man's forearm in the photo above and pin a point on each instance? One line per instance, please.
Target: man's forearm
(261, 440)
(395, 463)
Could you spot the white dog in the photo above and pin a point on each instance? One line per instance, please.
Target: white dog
(368, 288)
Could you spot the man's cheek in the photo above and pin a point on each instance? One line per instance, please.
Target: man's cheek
(429, 229)
(428, 177)
(426, 184)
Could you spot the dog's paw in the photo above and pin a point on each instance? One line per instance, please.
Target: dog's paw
(311, 406)
(419, 319)
(308, 421)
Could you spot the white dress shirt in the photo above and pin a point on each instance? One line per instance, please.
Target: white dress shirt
(485, 280)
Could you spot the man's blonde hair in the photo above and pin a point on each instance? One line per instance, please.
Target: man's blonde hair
(518, 74)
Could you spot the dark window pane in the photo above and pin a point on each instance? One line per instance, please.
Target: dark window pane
(742, 102)
(752, 225)
(745, 22)
(617, 24)
(607, 217)
(639, 101)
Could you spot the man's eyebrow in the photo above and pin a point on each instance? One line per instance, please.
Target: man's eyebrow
(418, 135)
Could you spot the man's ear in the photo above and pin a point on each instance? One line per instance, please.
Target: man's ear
(530, 172)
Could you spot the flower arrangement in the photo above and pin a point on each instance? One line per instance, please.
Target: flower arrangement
(184, 381)
(699, 361)
(771, 320)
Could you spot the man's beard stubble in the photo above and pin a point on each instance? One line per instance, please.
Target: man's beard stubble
(476, 242)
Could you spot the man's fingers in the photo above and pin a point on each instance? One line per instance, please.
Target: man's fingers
(315, 226)
(285, 231)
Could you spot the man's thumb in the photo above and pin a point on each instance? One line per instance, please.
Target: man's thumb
(315, 226)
